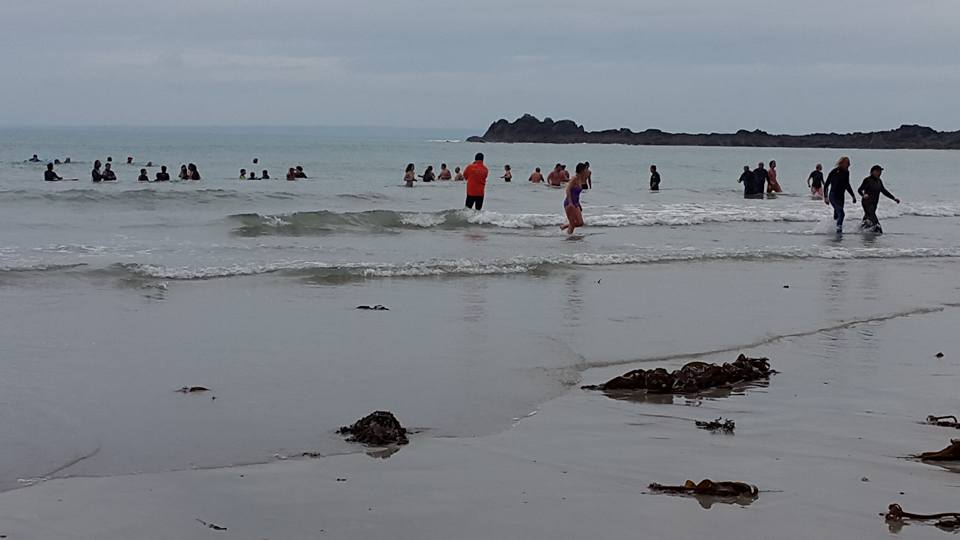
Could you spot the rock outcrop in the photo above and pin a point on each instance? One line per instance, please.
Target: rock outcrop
(529, 129)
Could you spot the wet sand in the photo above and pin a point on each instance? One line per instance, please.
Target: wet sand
(858, 375)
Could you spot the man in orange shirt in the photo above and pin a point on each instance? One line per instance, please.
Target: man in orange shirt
(476, 175)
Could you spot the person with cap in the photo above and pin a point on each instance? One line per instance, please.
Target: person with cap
(870, 191)
(836, 187)
(476, 175)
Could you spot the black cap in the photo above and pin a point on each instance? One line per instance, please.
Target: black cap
(876, 168)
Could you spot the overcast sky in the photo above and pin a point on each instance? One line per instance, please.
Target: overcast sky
(680, 65)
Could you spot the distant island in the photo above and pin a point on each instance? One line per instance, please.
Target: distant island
(529, 129)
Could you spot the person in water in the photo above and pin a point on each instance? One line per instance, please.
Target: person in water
(555, 178)
(149, 164)
(264, 175)
(243, 174)
(291, 174)
(109, 159)
(536, 177)
(299, 172)
(34, 159)
(870, 191)
(192, 172)
(409, 175)
(564, 174)
(49, 175)
(588, 177)
(748, 183)
(476, 175)
(571, 201)
(108, 174)
(507, 174)
(815, 182)
(143, 176)
(836, 188)
(654, 179)
(457, 175)
(252, 175)
(444, 172)
(772, 185)
(759, 178)
(95, 174)
(163, 175)
(428, 175)
(66, 160)
(129, 160)
(184, 173)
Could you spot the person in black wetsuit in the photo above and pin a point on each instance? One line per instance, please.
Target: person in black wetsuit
(143, 176)
(870, 191)
(759, 179)
(163, 175)
(815, 182)
(749, 183)
(836, 187)
(428, 175)
(654, 179)
(95, 173)
(108, 174)
(49, 175)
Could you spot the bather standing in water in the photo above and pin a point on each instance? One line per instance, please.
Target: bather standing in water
(444, 173)
(654, 179)
(815, 182)
(409, 175)
(772, 185)
(749, 183)
(759, 178)
(571, 201)
(95, 174)
(458, 176)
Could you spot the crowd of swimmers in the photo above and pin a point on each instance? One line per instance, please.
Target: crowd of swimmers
(832, 190)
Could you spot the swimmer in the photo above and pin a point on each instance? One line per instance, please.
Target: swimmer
(564, 174)
(252, 175)
(109, 159)
(264, 175)
(56, 162)
(143, 176)
(95, 174)
(759, 178)
(66, 160)
(192, 172)
(507, 174)
(815, 182)
(243, 174)
(428, 175)
(555, 178)
(129, 160)
(256, 160)
(749, 187)
(654, 179)
(34, 159)
(184, 173)
(444, 172)
(409, 175)
(836, 187)
(588, 176)
(149, 164)
(291, 174)
(163, 175)
(299, 172)
(870, 191)
(108, 174)
(772, 185)
(49, 175)
(457, 175)
(571, 201)
(536, 177)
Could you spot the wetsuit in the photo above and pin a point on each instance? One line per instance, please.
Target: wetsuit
(836, 186)
(870, 191)
(816, 179)
(108, 175)
(655, 181)
(748, 184)
(759, 179)
(51, 176)
(163, 177)
(95, 175)
(143, 178)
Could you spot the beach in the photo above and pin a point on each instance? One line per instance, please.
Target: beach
(113, 297)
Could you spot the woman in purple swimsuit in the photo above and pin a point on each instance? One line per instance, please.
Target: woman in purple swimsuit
(571, 204)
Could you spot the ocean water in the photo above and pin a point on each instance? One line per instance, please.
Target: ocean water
(114, 295)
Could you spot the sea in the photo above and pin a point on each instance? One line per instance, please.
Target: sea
(113, 296)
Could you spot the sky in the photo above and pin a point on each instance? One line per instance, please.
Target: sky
(792, 66)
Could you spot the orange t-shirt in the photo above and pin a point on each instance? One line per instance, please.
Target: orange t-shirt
(476, 175)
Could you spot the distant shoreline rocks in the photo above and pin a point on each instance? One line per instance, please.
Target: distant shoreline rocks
(529, 129)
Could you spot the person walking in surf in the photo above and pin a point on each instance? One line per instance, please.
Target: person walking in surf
(870, 191)
(815, 182)
(571, 201)
(836, 187)
(476, 175)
